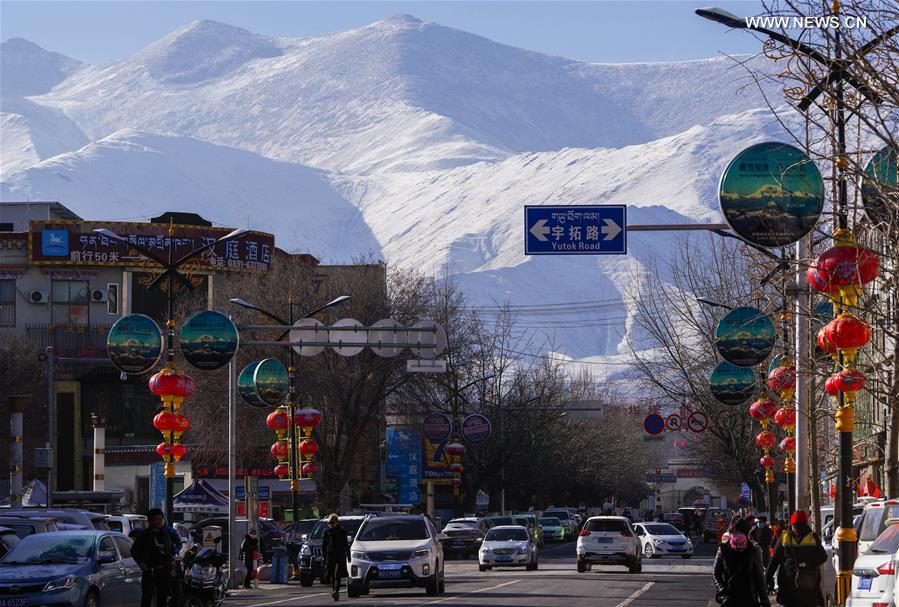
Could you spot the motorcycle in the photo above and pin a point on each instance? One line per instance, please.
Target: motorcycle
(206, 579)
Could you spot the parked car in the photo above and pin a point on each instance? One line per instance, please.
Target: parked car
(397, 551)
(71, 516)
(608, 540)
(675, 519)
(81, 568)
(296, 534)
(528, 520)
(567, 518)
(28, 525)
(8, 540)
(874, 521)
(312, 564)
(662, 539)
(495, 520)
(463, 536)
(126, 523)
(269, 533)
(508, 546)
(553, 529)
(874, 572)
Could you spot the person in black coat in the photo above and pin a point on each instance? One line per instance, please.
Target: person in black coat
(336, 550)
(152, 550)
(797, 562)
(762, 535)
(739, 576)
(249, 548)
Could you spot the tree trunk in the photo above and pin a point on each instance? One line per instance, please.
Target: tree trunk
(892, 451)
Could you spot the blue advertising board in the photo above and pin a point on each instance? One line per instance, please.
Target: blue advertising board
(157, 485)
(404, 462)
(575, 230)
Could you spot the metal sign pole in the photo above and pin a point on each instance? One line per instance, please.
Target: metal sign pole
(51, 423)
(232, 486)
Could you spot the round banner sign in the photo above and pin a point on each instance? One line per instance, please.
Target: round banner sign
(476, 428)
(208, 340)
(271, 381)
(246, 387)
(880, 187)
(732, 385)
(437, 427)
(745, 336)
(134, 344)
(771, 194)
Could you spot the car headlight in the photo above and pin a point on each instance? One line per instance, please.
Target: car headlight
(523, 550)
(61, 584)
(657, 540)
(306, 550)
(357, 554)
(423, 552)
(486, 549)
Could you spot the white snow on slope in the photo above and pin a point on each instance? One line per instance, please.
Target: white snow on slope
(27, 69)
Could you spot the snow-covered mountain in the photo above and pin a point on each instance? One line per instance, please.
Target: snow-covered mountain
(403, 138)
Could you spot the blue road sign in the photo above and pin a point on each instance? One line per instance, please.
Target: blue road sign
(575, 230)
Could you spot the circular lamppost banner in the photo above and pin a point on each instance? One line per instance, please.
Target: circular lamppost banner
(880, 187)
(732, 385)
(437, 427)
(246, 387)
(476, 428)
(745, 336)
(208, 340)
(134, 344)
(771, 194)
(271, 381)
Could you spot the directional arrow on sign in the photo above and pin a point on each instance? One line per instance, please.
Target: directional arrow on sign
(611, 229)
(539, 230)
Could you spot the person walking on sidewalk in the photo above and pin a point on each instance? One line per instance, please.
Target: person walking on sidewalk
(336, 550)
(153, 552)
(761, 534)
(797, 562)
(739, 577)
(249, 548)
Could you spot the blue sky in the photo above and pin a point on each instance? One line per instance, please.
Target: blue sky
(98, 32)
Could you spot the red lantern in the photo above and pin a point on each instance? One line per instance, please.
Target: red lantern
(281, 470)
(164, 449)
(846, 332)
(178, 450)
(830, 387)
(165, 422)
(457, 467)
(457, 482)
(762, 409)
(767, 461)
(308, 448)
(280, 449)
(785, 416)
(182, 423)
(765, 439)
(455, 449)
(782, 378)
(307, 418)
(278, 420)
(170, 383)
(843, 266)
(824, 343)
(849, 380)
(309, 469)
(788, 444)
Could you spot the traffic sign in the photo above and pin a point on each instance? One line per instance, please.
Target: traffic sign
(697, 422)
(575, 230)
(673, 422)
(653, 424)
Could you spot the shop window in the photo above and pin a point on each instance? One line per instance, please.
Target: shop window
(70, 302)
(7, 303)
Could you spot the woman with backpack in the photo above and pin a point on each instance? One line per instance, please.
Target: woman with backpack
(739, 577)
(797, 562)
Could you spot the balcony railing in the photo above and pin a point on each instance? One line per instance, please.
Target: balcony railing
(74, 341)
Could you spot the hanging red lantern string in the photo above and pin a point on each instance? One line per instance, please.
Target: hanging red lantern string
(845, 268)
(172, 387)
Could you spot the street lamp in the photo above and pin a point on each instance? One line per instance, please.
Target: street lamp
(291, 390)
(170, 272)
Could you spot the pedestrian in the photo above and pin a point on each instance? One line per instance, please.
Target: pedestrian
(249, 548)
(336, 552)
(152, 551)
(797, 561)
(761, 534)
(739, 577)
(688, 524)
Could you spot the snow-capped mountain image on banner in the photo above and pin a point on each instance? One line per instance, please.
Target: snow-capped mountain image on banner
(403, 139)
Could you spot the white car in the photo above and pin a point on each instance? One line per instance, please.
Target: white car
(508, 546)
(874, 572)
(874, 521)
(396, 552)
(662, 539)
(126, 523)
(608, 540)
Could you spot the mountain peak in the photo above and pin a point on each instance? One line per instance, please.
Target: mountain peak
(27, 68)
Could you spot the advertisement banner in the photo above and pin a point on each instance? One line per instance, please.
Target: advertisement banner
(404, 462)
(134, 344)
(745, 336)
(476, 428)
(208, 340)
(436, 462)
(157, 485)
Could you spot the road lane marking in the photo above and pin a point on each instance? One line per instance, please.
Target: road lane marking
(636, 595)
(459, 596)
(293, 598)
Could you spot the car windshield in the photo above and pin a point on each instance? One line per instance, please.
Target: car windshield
(138, 524)
(300, 528)
(496, 521)
(887, 542)
(115, 525)
(550, 521)
(44, 548)
(393, 530)
(871, 524)
(351, 526)
(674, 517)
(22, 530)
(662, 530)
(561, 515)
(605, 524)
(506, 535)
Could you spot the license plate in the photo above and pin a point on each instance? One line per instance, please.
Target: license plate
(676, 548)
(864, 583)
(390, 573)
(503, 559)
(13, 602)
(458, 542)
(604, 540)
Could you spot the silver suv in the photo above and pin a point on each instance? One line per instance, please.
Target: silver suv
(396, 552)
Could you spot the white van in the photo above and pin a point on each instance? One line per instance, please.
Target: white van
(126, 523)
(874, 521)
